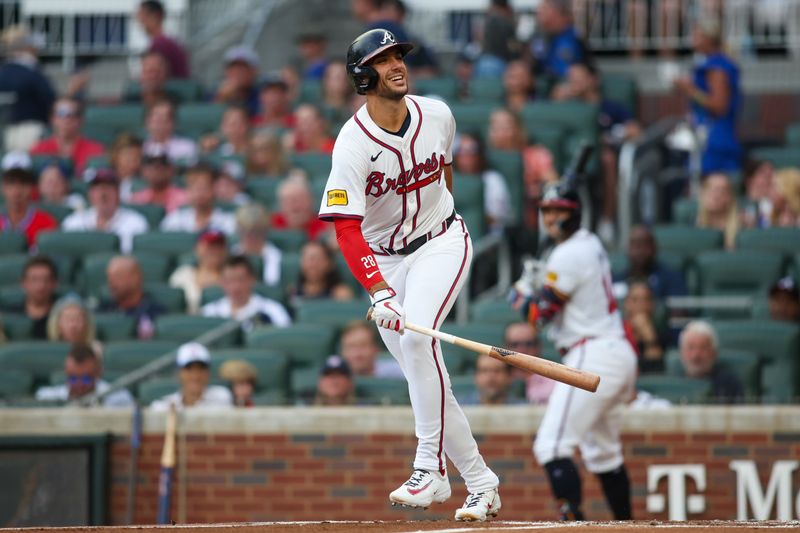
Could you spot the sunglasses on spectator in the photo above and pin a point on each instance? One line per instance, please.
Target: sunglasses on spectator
(66, 112)
(80, 379)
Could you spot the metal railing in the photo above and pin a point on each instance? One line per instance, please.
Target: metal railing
(484, 247)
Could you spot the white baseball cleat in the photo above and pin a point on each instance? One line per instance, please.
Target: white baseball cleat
(421, 490)
(479, 506)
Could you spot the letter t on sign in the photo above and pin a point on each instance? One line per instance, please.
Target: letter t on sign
(679, 503)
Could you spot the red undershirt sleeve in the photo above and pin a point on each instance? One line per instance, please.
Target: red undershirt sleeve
(356, 252)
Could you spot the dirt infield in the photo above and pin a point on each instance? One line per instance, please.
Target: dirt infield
(438, 526)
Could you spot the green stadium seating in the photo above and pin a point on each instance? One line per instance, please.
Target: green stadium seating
(477, 331)
(784, 156)
(330, 312)
(684, 211)
(382, 391)
(676, 389)
(264, 191)
(310, 92)
(183, 90)
(494, 311)
(170, 243)
(290, 269)
(304, 382)
(579, 119)
(444, 87)
(796, 266)
(126, 356)
(739, 272)
(475, 220)
(15, 384)
(555, 140)
(76, 244)
(153, 213)
(11, 267)
(618, 262)
(118, 118)
(467, 191)
(792, 137)
(315, 164)
(185, 328)
(102, 133)
(473, 117)
(745, 364)
(38, 358)
(486, 90)
(213, 293)
(307, 344)
(196, 119)
(272, 366)
(509, 165)
(272, 397)
(288, 240)
(463, 386)
(59, 212)
(17, 327)
(783, 240)
(114, 326)
(622, 89)
(92, 274)
(156, 388)
(12, 243)
(688, 241)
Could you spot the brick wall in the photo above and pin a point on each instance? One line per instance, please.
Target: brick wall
(254, 477)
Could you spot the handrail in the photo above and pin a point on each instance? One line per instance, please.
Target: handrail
(483, 246)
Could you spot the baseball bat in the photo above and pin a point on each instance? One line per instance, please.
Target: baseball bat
(167, 467)
(565, 374)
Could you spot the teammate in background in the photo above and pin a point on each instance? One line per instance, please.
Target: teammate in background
(389, 195)
(587, 329)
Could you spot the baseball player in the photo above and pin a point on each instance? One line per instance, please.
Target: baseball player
(587, 329)
(389, 196)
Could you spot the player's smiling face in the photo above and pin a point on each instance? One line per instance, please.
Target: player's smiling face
(392, 74)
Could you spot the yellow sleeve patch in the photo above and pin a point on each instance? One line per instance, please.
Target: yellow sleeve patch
(337, 197)
(551, 277)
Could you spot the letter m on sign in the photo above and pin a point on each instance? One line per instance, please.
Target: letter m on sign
(779, 490)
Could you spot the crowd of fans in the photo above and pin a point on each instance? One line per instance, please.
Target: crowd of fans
(204, 184)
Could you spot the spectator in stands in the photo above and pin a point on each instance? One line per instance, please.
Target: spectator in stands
(200, 214)
(54, 188)
(230, 185)
(39, 283)
(717, 207)
(786, 200)
(128, 296)
(784, 301)
(161, 138)
(296, 207)
(71, 321)
(33, 93)
(759, 188)
(82, 369)
(19, 214)
(506, 131)
(158, 172)
(234, 134)
(337, 93)
(358, 346)
(310, 133)
(152, 83)
(240, 302)
(318, 276)
(715, 93)
(67, 142)
(558, 45)
(126, 162)
(493, 381)
(238, 86)
(276, 105)
(252, 226)
(698, 344)
(312, 48)
(522, 337)
(650, 338)
(470, 159)
(242, 378)
(499, 44)
(106, 214)
(519, 85)
(643, 263)
(335, 386)
(193, 362)
(211, 251)
(265, 157)
(151, 16)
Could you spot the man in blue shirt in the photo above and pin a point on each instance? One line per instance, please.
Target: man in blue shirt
(557, 45)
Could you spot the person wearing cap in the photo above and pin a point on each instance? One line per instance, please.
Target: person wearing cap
(33, 94)
(106, 214)
(784, 301)
(276, 104)
(335, 386)
(715, 96)
(241, 302)
(252, 226)
(151, 16)
(233, 138)
(239, 79)
(201, 212)
(230, 186)
(158, 171)
(128, 295)
(161, 138)
(19, 215)
(194, 360)
(67, 141)
(82, 371)
(242, 378)
(211, 251)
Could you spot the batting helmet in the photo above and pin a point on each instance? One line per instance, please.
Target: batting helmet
(559, 196)
(363, 49)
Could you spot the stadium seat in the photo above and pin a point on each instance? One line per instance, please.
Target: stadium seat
(126, 356)
(156, 388)
(618, 262)
(310, 92)
(170, 243)
(475, 220)
(15, 384)
(621, 89)
(185, 328)
(783, 240)
(486, 90)
(290, 269)
(792, 137)
(11, 267)
(783, 156)
(38, 358)
(745, 364)
(684, 211)
(382, 391)
(196, 119)
(739, 272)
(315, 164)
(477, 331)
(463, 387)
(264, 191)
(272, 366)
(330, 312)
(17, 327)
(114, 326)
(494, 311)
(473, 117)
(509, 165)
(304, 383)
(171, 298)
(685, 240)
(579, 119)
(555, 140)
(76, 244)
(676, 389)
(153, 213)
(444, 87)
(58, 212)
(119, 118)
(307, 344)
(468, 191)
(12, 243)
(288, 240)
(272, 397)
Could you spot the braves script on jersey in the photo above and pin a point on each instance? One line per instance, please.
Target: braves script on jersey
(396, 184)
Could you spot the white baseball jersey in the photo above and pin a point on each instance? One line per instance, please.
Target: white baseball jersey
(579, 269)
(394, 184)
